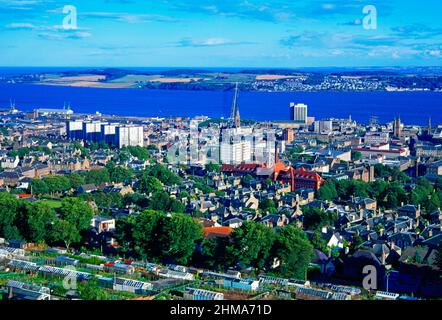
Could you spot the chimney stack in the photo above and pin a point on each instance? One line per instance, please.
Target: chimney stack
(276, 153)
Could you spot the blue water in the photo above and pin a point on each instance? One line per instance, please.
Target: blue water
(412, 107)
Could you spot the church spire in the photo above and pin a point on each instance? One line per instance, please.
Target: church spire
(235, 120)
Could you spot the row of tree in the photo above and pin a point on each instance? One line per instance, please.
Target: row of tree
(38, 222)
(123, 154)
(260, 247)
(60, 184)
(150, 180)
(21, 152)
(178, 238)
(157, 236)
(389, 195)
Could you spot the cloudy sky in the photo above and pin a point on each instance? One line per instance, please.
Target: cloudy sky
(224, 33)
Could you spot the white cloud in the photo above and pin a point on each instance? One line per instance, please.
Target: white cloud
(127, 17)
(209, 42)
(328, 6)
(434, 53)
(56, 32)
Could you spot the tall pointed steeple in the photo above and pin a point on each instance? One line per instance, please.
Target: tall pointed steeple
(235, 119)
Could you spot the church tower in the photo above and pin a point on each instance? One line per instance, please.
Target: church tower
(397, 127)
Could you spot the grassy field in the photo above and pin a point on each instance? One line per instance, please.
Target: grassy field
(133, 78)
(54, 204)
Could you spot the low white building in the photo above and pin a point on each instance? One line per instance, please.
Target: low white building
(10, 162)
(132, 286)
(241, 284)
(200, 294)
(103, 223)
(323, 126)
(376, 137)
(27, 291)
(167, 273)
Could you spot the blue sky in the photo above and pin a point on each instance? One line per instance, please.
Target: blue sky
(228, 33)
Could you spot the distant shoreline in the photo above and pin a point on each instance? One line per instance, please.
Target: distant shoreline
(118, 87)
(251, 80)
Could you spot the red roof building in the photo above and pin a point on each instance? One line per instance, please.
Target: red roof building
(240, 169)
(299, 178)
(24, 195)
(217, 232)
(305, 179)
(284, 175)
